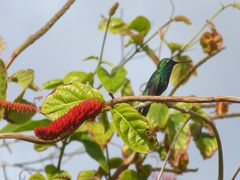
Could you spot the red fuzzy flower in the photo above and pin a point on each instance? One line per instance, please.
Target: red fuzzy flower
(18, 107)
(70, 121)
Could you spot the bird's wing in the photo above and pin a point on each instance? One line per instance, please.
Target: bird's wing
(155, 88)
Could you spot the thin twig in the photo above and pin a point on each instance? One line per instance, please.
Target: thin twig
(175, 171)
(107, 156)
(189, 73)
(64, 143)
(223, 116)
(211, 124)
(235, 174)
(31, 39)
(171, 148)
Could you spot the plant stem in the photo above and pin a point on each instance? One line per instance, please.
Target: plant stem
(103, 44)
(107, 156)
(31, 39)
(64, 143)
(235, 174)
(171, 148)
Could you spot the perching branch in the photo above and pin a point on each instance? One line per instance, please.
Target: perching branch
(187, 99)
(31, 39)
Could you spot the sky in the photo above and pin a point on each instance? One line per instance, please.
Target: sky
(76, 36)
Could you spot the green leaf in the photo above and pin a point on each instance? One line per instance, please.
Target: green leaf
(67, 96)
(181, 69)
(195, 129)
(113, 81)
(179, 151)
(129, 174)
(18, 117)
(92, 148)
(140, 24)
(127, 89)
(207, 144)
(37, 176)
(87, 175)
(115, 162)
(173, 46)
(79, 76)
(62, 175)
(133, 128)
(158, 116)
(3, 85)
(50, 170)
(98, 132)
(97, 59)
(145, 171)
(24, 78)
(27, 126)
(52, 84)
(116, 25)
(42, 147)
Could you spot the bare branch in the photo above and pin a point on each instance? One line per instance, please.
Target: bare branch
(31, 39)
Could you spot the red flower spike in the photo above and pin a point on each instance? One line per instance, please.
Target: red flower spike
(18, 107)
(70, 121)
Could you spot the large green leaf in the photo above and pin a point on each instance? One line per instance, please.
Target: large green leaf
(207, 144)
(179, 152)
(181, 69)
(116, 25)
(133, 128)
(129, 174)
(27, 126)
(92, 148)
(67, 96)
(87, 175)
(52, 84)
(140, 24)
(113, 81)
(158, 116)
(3, 85)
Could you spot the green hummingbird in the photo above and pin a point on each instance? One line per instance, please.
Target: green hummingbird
(159, 80)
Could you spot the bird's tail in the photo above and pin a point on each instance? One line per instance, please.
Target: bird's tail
(145, 110)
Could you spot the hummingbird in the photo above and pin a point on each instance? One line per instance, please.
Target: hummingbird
(159, 80)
